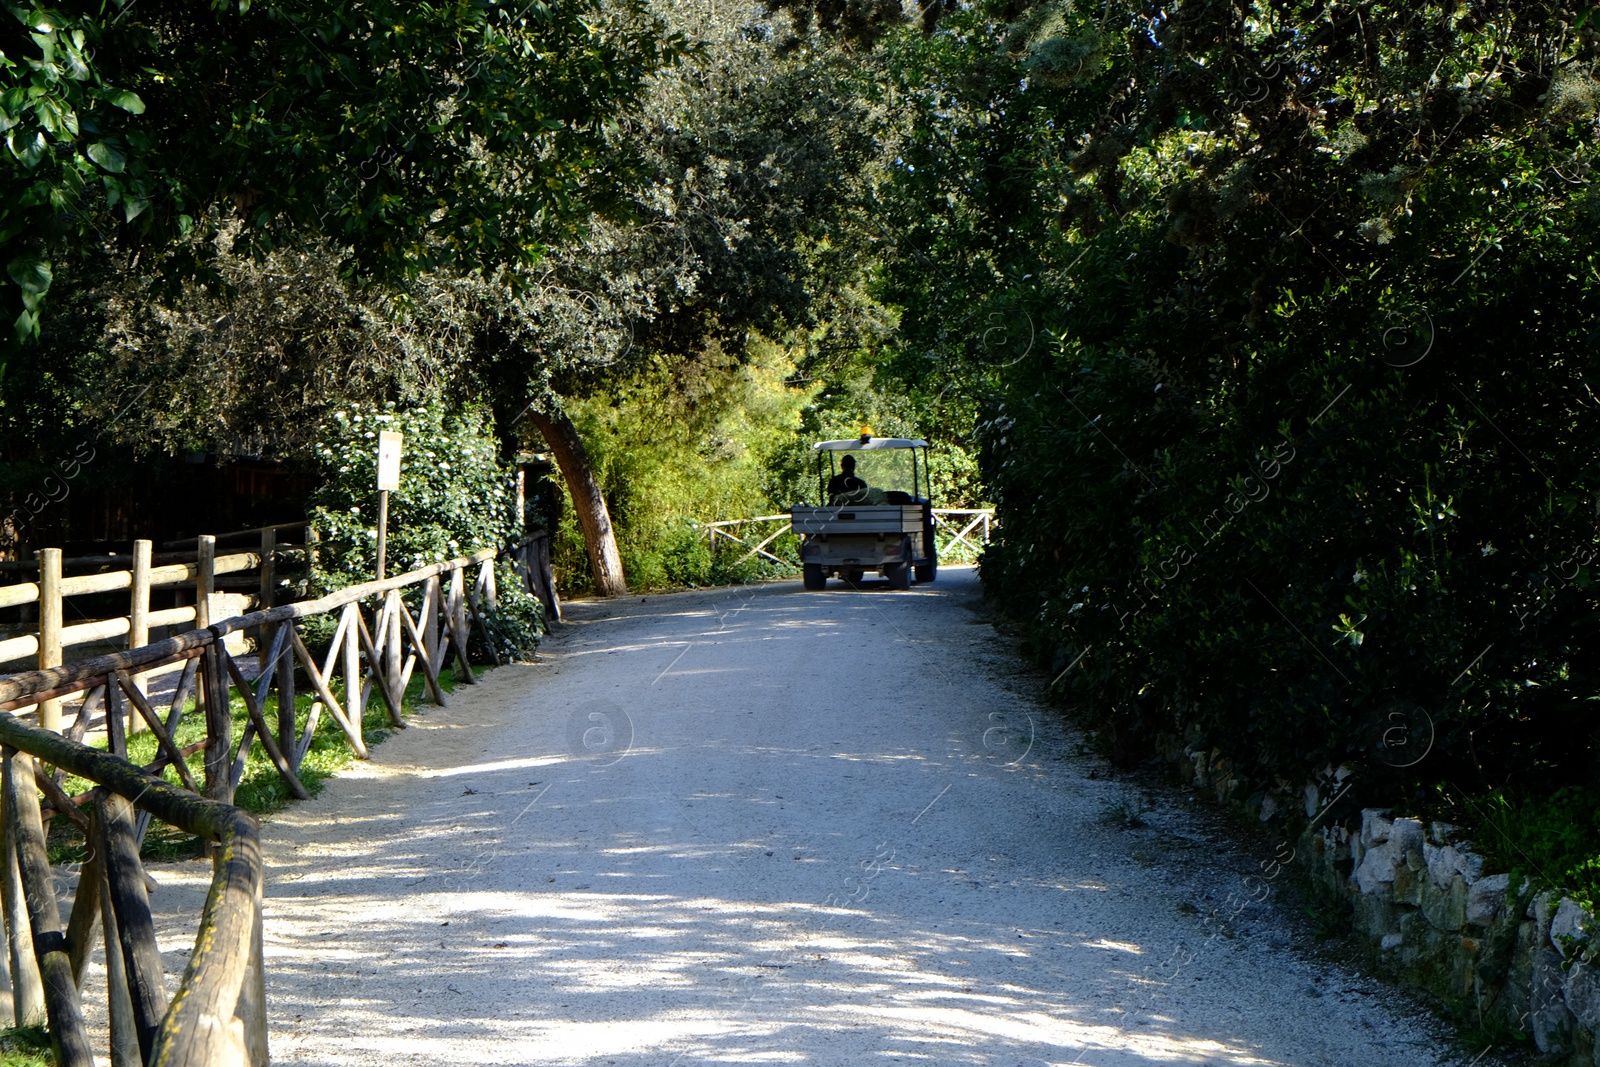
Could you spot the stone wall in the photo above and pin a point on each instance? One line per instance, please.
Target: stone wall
(1497, 955)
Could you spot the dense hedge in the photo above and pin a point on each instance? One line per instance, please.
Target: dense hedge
(1286, 321)
(455, 497)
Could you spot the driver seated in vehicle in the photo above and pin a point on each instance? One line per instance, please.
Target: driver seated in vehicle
(846, 488)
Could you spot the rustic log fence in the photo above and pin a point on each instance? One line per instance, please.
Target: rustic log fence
(958, 537)
(218, 1015)
(531, 558)
(963, 530)
(199, 568)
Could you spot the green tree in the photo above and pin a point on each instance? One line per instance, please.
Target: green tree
(1275, 321)
(471, 134)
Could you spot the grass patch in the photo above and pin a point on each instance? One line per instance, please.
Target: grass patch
(261, 790)
(1129, 812)
(25, 1046)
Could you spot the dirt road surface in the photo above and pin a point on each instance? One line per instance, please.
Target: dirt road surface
(763, 826)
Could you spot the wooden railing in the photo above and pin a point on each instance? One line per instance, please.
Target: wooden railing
(727, 527)
(531, 557)
(957, 527)
(954, 529)
(218, 1015)
(199, 567)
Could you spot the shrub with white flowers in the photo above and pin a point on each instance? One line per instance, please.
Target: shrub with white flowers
(455, 497)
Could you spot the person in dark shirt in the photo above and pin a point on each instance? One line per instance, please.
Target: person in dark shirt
(845, 481)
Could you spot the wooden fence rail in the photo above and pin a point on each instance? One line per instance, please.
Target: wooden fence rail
(200, 568)
(948, 525)
(218, 1015)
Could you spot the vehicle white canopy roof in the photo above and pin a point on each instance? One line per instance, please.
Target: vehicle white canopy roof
(856, 444)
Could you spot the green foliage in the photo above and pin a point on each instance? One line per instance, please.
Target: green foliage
(25, 1046)
(1278, 319)
(684, 441)
(411, 135)
(454, 498)
(1552, 840)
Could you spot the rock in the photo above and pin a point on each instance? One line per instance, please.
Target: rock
(1544, 906)
(1376, 868)
(1391, 941)
(1269, 808)
(1582, 994)
(1408, 885)
(1486, 899)
(1374, 827)
(1406, 836)
(1375, 912)
(1548, 1016)
(1513, 997)
(1441, 864)
(1445, 909)
(1441, 832)
(1568, 926)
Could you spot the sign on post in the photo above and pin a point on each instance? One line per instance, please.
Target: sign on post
(389, 444)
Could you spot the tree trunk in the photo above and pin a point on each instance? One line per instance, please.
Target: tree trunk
(587, 500)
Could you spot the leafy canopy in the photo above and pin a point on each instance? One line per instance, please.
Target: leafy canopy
(411, 135)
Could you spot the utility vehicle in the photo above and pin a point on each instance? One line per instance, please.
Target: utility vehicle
(876, 513)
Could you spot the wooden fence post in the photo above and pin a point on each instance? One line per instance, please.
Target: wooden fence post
(139, 617)
(252, 1008)
(456, 619)
(430, 623)
(269, 588)
(287, 741)
(355, 707)
(205, 580)
(136, 932)
(27, 987)
(547, 578)
(50, 629)
(391, 646)
(69, 1038)
(215, 688)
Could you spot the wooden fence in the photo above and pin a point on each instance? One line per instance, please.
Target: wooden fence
(949, 532)
(200, 567)
(218, 1015)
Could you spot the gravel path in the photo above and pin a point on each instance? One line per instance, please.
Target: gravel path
(764, 826)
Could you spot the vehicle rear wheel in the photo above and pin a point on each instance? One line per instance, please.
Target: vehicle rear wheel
(899, 574)
(812, 576)
(927, 572)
